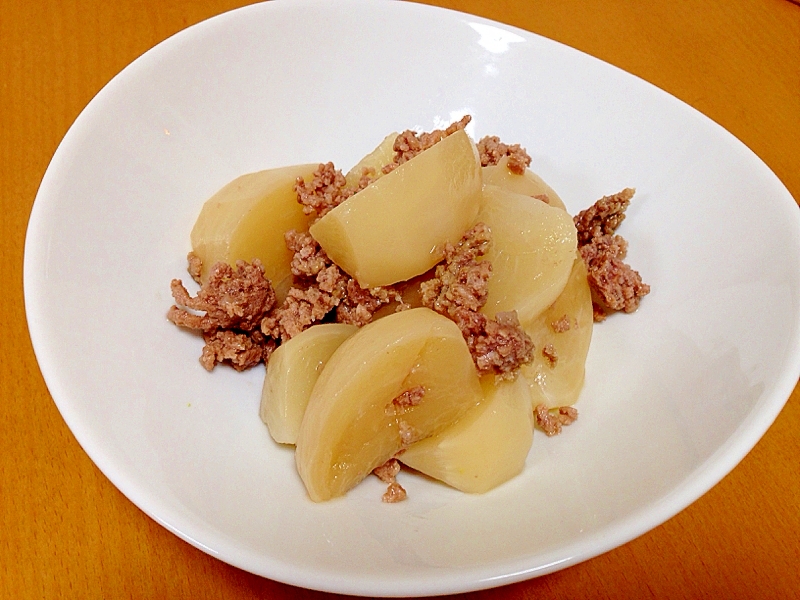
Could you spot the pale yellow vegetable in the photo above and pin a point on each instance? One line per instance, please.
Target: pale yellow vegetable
(352, 426)
(247, 219)
(382, 155)
(560, 383)
(533, 248)
(529, 183)
(396, 227)
(292, 371)
(484, 448)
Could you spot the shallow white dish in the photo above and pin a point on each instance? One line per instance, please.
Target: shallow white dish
(675, 395)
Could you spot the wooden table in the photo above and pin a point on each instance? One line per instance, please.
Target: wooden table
(66, 532)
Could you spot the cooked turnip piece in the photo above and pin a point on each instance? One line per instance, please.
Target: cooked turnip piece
(397, 380)
(396, 227)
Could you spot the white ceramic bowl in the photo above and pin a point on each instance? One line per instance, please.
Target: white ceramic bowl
(675, 395)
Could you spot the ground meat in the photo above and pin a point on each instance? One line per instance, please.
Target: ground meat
(308, 258)
(552, 420)
(368, 175)
(498, 345)
(603, 217)
(359, 304)
(491, 150)
(320, 287)
(332, 280)
(387, 473)
(234, 301)
(550, 355)
(394, 493)
(408, 144)
(358, 314)
(301, 309)
(195, 266)
(461, 280)
(241, 350)
(615, 285)
(230, 298)
(326, 191)
(599, 314)
(408, 435)
(405, 401)
(459, 289)
(612, 246)
(561, 325)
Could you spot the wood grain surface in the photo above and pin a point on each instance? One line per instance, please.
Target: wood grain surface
(66, 532)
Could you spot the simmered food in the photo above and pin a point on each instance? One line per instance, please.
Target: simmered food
(431, 307)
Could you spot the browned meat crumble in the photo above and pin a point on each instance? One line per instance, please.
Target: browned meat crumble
(408, 434)
(387, 473)
(367, 176)
(561, 325)
(615, 285)
(459, 289)
(543, 197)
(360, 304)
(234, 302)
(552, 420)
(549, 353)
(409, 144)
(242, 325)
(394, 493)
(324, 192)
(328, 189)
(491, 150)
(406, 401)
(461, 280)
(300, 309)
(230, 298)
(603, 217)
(195, 266)
(498, 345)
(320, 287)
(308, 258)
(241, 350)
